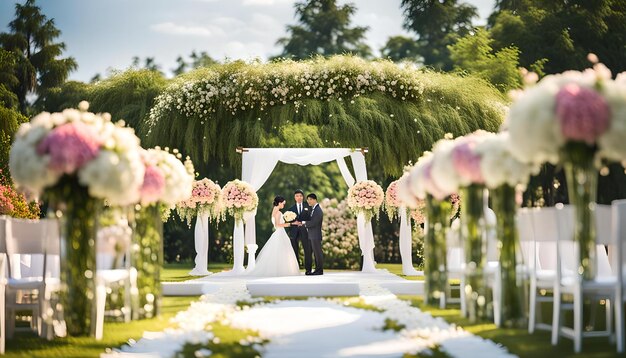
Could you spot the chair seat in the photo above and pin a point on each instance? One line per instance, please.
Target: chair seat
(602, 282)
(33, 283)
(110, 276)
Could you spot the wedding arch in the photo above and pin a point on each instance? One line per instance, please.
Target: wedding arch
(259, 163)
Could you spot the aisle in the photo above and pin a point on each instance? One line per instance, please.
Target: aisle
(315, 327)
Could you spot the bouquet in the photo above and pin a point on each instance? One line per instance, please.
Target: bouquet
(76, 146)
(206, 198)
(499, 167)
(366, 197)
(239, 199)
(289, 216)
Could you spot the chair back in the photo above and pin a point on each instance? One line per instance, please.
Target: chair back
(604, 239)
(546, 234)
(32, 237)
(618, 229)
(528, 245)
(455, 257)
(491, 233)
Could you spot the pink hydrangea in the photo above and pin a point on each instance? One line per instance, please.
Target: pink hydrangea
(70, 146)
(153, 185)
(467, 161)
(582, 112)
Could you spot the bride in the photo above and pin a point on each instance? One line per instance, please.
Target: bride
(277, 257)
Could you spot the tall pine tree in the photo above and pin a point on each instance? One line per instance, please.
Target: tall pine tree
(38, 66)
(323, 28)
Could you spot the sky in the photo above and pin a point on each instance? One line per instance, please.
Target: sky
(106, 34)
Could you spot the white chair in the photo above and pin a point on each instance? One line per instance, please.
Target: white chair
(493, 276)
(542, 263)
(3, 283)
(113, 270)
(32, 237)
(569, 281)
(618, 232)
(455, 264)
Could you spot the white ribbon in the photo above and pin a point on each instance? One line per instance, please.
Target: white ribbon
(201, 239)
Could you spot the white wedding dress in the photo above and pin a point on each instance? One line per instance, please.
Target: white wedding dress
(277, 257)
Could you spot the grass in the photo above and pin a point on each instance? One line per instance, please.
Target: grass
(115, 334)
(519, 341)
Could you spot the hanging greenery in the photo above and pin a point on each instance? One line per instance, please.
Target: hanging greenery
(397, 111)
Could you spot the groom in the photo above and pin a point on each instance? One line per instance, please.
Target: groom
(314, 229)
(297, 233)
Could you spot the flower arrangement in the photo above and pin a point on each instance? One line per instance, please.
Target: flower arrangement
(239, 199)
(392, 201)
(498, 166)
(366, 197)
(206, 199)
(289, 216)
(582, 109)
(102, 156)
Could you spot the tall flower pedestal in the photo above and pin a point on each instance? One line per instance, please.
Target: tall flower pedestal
(148, 258)
(406, 244)
(435, 269)
(473, 237)
(201, 240)
(582, 188)
(78, 215)
(512, 294)
(366, 242)
(238, 249)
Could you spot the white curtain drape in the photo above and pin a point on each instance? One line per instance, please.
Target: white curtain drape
(259, 163)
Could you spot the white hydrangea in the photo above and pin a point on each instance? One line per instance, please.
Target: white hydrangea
(443, 172)
(498, 166)
(28, 168)
(613, 142)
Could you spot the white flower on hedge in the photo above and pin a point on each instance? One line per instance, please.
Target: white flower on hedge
(499, 166)
(612, 143)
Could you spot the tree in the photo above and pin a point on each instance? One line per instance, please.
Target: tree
(474, 53)
(201, 59)
(32, 39)
(562, 32)
(400, 48)
(324, 29)
(8, 80)
(437, 25)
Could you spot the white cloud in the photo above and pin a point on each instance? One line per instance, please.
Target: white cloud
(171, 28)
(264, 2)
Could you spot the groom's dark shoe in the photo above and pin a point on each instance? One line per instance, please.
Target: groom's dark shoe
(317, 273)
(308, 273)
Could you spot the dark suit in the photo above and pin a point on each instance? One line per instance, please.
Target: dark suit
(314, 229)
(299, 234)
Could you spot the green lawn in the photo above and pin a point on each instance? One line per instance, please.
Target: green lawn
(518, 341)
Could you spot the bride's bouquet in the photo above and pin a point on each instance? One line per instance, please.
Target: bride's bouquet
(366, 197)
(239, 199)
(289, 216)
(206, 199)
